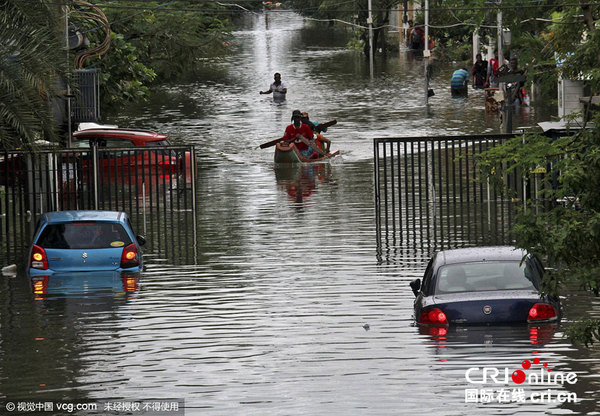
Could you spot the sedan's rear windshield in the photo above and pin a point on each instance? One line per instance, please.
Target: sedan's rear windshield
(479, 277)
(83, 235)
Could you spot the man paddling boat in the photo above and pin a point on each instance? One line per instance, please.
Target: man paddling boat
(302, 136)
(303, 139)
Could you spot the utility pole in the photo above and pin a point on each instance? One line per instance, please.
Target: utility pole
(499, 34)
(370, 23)
(68, 97)
(426, 52)
(507, 106)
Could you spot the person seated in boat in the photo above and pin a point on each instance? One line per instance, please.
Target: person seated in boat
(322, 142)
(301, 135)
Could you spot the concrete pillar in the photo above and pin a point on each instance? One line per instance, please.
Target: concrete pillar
(490, 50)
(569, 92)
(476, 44)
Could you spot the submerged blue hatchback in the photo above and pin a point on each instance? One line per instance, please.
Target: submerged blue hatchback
(70, 241)
(482, 286)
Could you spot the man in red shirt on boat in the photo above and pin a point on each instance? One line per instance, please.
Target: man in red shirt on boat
(302, 136)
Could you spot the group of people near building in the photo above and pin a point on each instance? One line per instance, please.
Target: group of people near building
(415, 37)
(486, 75)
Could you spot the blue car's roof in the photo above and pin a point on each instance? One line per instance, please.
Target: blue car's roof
(475, 254)
(84, 215)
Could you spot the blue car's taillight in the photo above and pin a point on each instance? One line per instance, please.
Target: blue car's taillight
(38, 260)
(130, 256)
(433, 316)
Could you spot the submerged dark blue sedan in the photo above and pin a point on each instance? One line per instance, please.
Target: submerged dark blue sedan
(481, 286)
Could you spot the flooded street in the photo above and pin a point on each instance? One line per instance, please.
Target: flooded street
(291, 305)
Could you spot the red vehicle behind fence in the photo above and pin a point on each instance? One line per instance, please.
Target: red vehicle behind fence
(129, 139)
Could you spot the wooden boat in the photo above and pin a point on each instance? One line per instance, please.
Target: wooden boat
(289, 153)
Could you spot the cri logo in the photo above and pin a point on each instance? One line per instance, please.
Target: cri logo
(519, 376)
(477, 375)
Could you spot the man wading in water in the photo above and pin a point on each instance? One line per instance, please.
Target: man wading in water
(278, 88)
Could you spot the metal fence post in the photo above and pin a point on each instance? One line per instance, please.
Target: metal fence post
(95, 167)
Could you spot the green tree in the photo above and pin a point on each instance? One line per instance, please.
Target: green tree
(32, 70)
(150, 42)
(171, 39)
(453, 23)
(123, 77)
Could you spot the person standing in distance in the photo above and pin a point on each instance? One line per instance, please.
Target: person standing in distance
(278, 88)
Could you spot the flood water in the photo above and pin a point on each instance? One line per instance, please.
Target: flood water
(292, 305)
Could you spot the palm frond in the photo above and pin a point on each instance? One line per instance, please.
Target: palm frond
(32, 63)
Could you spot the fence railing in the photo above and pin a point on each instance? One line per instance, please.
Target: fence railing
(86, 106)
(156, 186)
(428, 191)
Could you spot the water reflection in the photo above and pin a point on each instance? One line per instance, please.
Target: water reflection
(481, 362)
(442, 337)
(75, 290)
(50, 331)
(299, 181)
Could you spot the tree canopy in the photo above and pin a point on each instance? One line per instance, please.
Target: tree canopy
(32, 72)
(155, 42)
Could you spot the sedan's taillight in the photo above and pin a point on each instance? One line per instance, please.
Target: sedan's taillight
(38, 260)
(541, 311)
(130, 256)
(433, 316)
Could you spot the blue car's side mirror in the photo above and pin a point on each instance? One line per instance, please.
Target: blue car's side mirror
(140, 239)
(415, 285)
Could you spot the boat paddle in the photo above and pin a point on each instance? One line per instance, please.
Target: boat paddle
(323, 126)
(271, 143)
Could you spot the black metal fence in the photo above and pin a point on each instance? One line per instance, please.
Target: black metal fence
(86, 106)
(428, 192)
(156, 186)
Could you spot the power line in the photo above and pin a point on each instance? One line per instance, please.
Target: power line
(169, 8)
(235, 4)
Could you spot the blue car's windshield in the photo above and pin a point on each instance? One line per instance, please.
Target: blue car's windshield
(83, 235)
(492, 275)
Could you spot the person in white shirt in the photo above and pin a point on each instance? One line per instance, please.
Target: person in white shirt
(278, 88)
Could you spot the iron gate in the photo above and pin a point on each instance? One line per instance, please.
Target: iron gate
(428, 192)
(155, 186)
